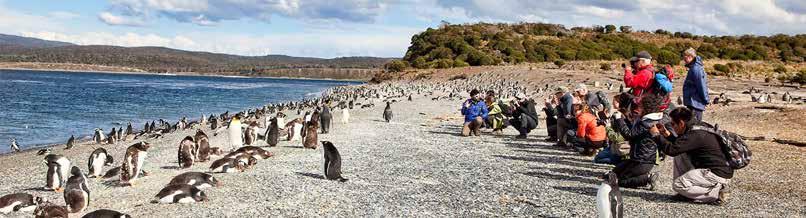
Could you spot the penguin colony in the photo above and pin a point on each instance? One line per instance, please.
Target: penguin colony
(242, 131)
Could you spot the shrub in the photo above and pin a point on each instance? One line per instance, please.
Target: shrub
(460, 63)
(442, 63)
(396, 66)
(559, 63)
(724, 69)
(605, 66)
(779, 69)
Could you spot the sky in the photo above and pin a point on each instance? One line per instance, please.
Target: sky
(382, 28)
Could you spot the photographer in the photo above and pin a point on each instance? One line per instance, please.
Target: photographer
(524, 117)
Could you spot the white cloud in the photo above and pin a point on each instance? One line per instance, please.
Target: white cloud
(112, 19)
(599, 12)
(64, 15)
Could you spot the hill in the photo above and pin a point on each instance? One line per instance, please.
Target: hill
(164, 60)
(494, 44)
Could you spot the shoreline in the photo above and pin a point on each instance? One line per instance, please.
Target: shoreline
(177, 74)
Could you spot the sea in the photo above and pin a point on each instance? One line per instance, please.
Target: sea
(41, 108)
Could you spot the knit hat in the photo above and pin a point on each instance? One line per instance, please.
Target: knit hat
(644, 55)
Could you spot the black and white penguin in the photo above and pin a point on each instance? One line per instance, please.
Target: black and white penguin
(202, 146)
(44, 151)
(111, 138)
(235, 133)
(18, 202)
(98, 137)
(70, 142)
(198, 179)
(112, 172)
(180, 193)
(311, 137)
(185, 154)
(273, 133)
(50, 210)
(608, 198)
(294, 129)
(332, 162)
(237, 163)
(98, 159)
(105, 213)
(324, 119)
(77, 192)
(129, 129)
(256, 152)
(119, 135)
(250, 134)
(58, 172)
(387, 112)
(133, 162)
(345, 115)
(14, 146)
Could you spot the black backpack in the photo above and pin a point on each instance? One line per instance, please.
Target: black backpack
(733, 146)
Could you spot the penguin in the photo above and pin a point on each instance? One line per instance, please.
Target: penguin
(44, 151)
(280, 119)
(129, 130)
(99, 136)
(70, 142)
(111, 139)
(608, 198)
(273, 133)
(197, 179)
(98, 159)
(250, 135)
(787, 98)
(253, 151)
(119, 135)
(146, 128)
(113, 172)
(345, 116)
(105, 213)
(311, 137)
(14, 146)
(332, 162)
(18, 202)
(49, 210)
(185, 153)
(387, 112)
(133, 162)
(77, 192)
(228, 165)
(215, 151)
(180, 193)
(235, 133)
(58, 171)
(324, 119)
(294, 129)
(202, 146)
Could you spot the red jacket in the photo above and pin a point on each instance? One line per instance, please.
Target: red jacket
(641, 80)
(588, 128)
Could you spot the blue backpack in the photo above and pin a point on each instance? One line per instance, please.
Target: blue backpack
(663, 81)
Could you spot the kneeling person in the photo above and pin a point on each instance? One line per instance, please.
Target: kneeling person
(475, 111)
(524, 118)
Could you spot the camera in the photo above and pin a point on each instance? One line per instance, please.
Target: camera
(623, 65)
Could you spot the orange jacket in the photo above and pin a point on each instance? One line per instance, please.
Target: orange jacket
(588, 128)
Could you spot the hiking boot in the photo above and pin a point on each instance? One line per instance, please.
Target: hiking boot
(653, 181)
(724, 193)
(477, 132)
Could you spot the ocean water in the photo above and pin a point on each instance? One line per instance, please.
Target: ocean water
(39, 108)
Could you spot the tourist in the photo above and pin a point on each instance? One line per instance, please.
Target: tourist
(495, 118)
(695, 88)
(590, 135)
(524, 117)
(475, 112)
(641, 78)
(636, 171)
(550, 109)
(700, 172)
(565, 115)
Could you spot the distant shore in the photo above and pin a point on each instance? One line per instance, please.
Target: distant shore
(84, 68)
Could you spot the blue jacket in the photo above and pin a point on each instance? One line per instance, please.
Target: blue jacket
(695, 88)
(478, 109)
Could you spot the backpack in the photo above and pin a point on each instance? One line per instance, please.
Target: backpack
(505, 109)
(733, 146)
(663, 80)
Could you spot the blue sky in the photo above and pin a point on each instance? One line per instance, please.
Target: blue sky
(336, 28)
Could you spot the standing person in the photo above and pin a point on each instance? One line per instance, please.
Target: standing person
(495, 118)
(475, 112)
(524, 117)
(641, 79)
(636, 171)
(700, 172)
(565, 115)
(695, 88)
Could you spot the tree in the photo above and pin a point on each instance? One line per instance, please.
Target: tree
(626, 29)
(610, 28)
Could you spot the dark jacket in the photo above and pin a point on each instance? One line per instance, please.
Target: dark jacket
(551, 115)
(702, 148)
(526, 108)
(695, 88)
(643, 148)
(566, 106)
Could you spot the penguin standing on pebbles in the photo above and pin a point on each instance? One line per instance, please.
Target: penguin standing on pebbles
(332, 162)
(180, 193)
(98, 159)
(608, 198)
(77, 193)
(185, 154)
(324, 119)
(18, 202)
(133, 162)
(14, 146)
(235, 133)
(387, 112)
(70, 142)
(104, 213)
(197, 179)
(345, 116)
(273, 133)
(58, 170)
(99, 136)
(202, 152)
